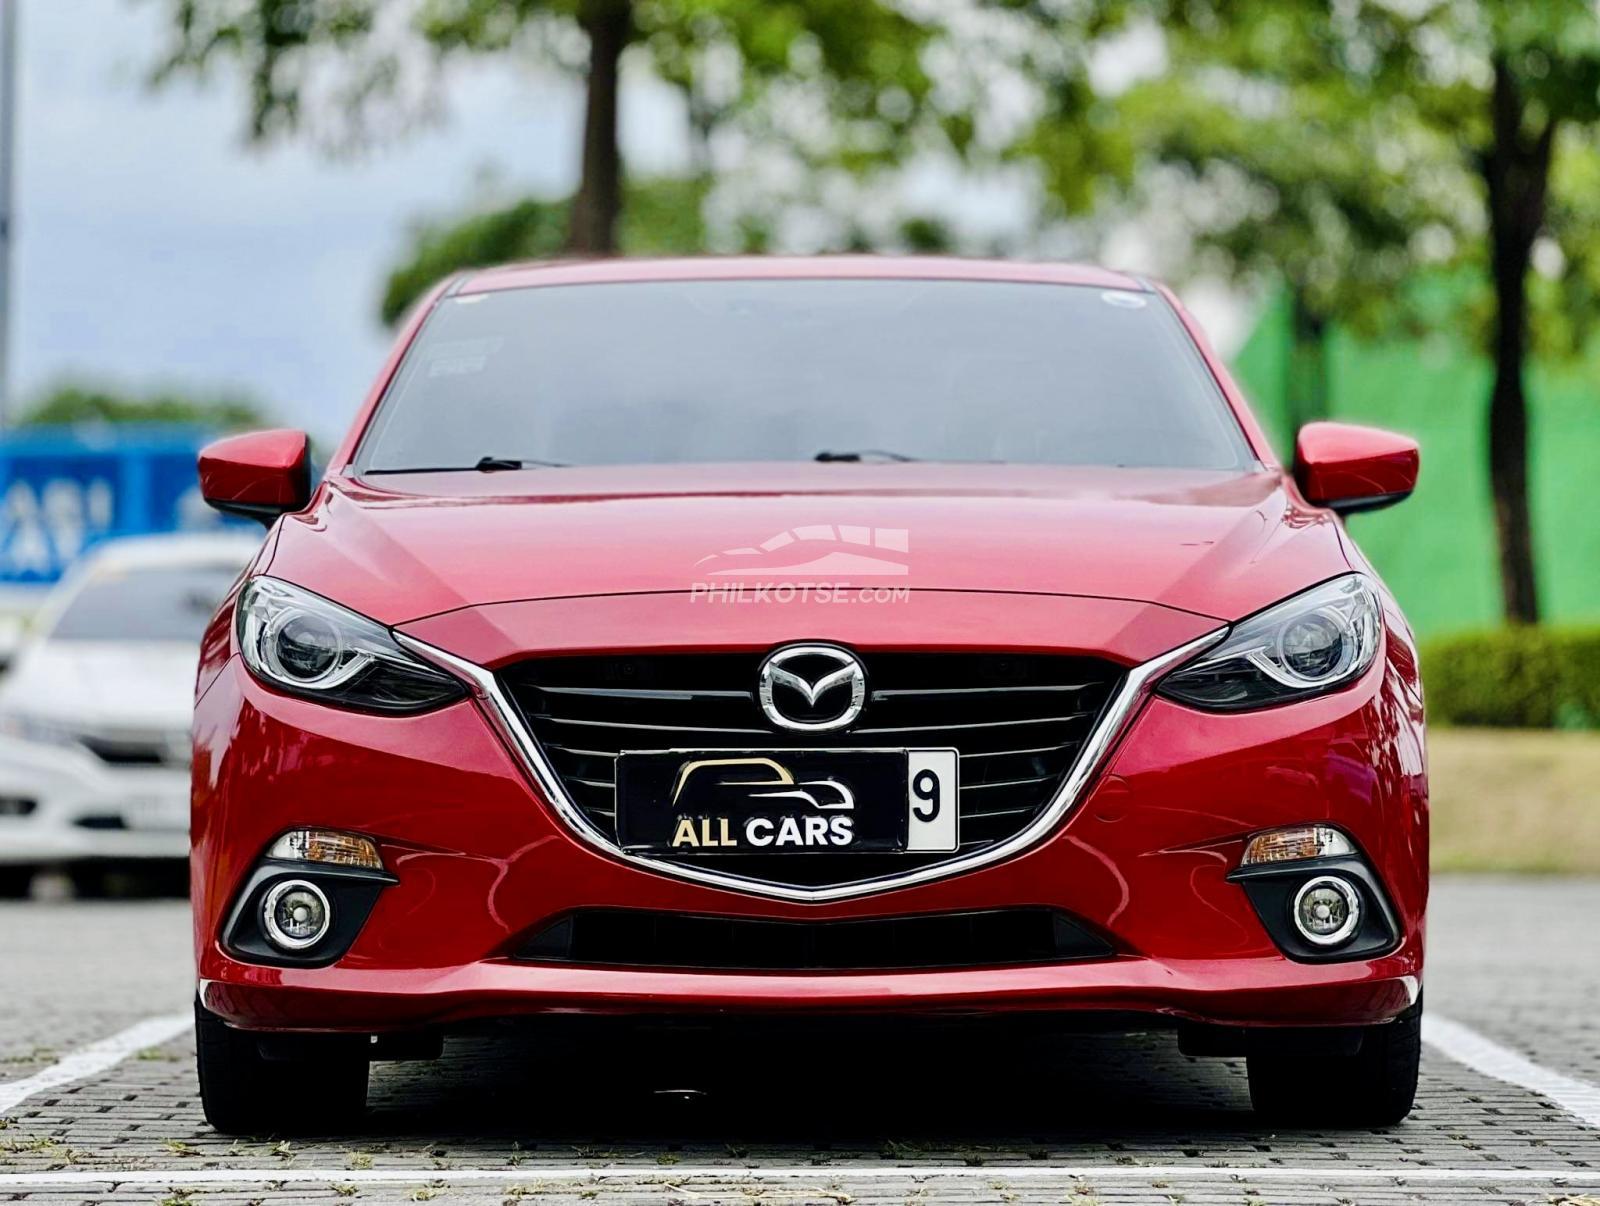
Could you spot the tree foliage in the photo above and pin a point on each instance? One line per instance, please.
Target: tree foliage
(76, 403)
(367, 69)
(1356, 129)
(662, 217)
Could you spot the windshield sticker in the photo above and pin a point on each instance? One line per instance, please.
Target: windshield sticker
(1122, 300)
(463, 357)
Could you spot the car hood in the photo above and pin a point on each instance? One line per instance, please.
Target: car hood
(105, 685)
(401, 547)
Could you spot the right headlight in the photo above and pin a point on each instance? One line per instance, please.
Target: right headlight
(307, 645)
(1317, 641)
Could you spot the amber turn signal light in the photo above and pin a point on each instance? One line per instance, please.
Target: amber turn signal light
(328, 846)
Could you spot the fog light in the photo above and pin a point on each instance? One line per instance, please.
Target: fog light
(327, 846)
(295, 914)
(1327, 910)
(1300, 841)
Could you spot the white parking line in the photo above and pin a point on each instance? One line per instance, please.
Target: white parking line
(96, 1057)
(1316, 1174)
(1482, 1054)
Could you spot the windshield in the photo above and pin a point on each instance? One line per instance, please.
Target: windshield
(783, 370)
(161, 603)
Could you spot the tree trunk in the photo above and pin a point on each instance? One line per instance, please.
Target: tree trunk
(1306, 383)
(1516, 170)
(598, 203)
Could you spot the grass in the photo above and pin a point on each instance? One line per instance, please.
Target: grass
(1515, 800)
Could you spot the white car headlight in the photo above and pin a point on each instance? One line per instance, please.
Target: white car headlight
(302, 643)
(25, 726)
(1315, 642)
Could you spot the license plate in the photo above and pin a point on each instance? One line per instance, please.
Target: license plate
(709, 802)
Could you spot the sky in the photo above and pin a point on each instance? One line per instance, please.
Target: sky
(154, 247)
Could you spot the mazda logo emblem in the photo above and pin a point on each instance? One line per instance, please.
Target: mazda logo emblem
(812, 688)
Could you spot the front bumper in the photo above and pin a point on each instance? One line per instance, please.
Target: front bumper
(64, 805)
(1258, 990)
(482, 862)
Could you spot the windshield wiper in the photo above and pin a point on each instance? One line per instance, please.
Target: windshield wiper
(490, 464)
(486, 464)
(863, 454)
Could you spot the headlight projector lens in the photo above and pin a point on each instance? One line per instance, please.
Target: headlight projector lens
(1327, 910)
(295, 915)
(306, 647)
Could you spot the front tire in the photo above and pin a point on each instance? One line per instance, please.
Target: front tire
(244, 1093)
(1374, 1087)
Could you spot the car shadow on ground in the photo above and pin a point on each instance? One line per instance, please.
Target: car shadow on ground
(899, 1093)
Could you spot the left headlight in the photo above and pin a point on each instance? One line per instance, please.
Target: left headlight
(1317, 641)
(307, 645)
(39, 729)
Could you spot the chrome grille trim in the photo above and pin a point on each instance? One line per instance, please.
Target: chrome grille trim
(974, 724)
(1119, 711)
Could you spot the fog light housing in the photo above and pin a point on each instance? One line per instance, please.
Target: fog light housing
(295, 915)
(1327, 910)
(327, 846)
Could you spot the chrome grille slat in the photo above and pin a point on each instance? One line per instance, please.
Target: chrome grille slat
(572, 749)
(919, 691)
(643, 693)
(1010, 783)
(584, 710)
(970, 815)
(659, 728)
(1037, 749)
(979, 724)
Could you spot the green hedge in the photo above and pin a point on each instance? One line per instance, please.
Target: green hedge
(1519, 678)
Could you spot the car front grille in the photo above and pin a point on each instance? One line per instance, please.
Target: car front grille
(1018, 722)
(643, 938)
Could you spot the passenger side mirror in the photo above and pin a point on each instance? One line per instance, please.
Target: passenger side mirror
(261, 475)
(1349, 468)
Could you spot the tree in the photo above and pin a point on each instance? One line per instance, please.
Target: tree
(1519, 86)
(1544, 68)
(1512, 86)
(73, 403)
(358, 62)
(1327, 184)
(661, 217)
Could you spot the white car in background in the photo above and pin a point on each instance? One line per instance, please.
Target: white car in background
(96, 706)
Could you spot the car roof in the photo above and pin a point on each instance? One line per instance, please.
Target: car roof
(175, 549)
(821, 267)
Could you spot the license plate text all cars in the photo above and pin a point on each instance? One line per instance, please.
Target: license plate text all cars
(709, 802)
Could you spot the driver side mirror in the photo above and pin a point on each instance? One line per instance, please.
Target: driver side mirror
(1347, 468)
(261, 475)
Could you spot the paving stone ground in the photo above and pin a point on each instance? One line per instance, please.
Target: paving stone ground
(1516, 960)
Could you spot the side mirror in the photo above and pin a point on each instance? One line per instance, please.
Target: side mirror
(1349, 468)
(261, 475)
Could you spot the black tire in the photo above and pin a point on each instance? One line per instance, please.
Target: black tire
(244, 1093)
(16, 883)
(1375, 1087)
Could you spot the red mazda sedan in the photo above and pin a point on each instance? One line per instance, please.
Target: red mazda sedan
(913, 638)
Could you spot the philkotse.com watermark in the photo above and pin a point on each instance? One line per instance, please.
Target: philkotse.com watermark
(814, 563)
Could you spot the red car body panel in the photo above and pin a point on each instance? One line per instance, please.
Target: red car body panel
(411, 545)
(1122, 564)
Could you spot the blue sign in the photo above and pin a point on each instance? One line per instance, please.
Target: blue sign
(63, 490)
